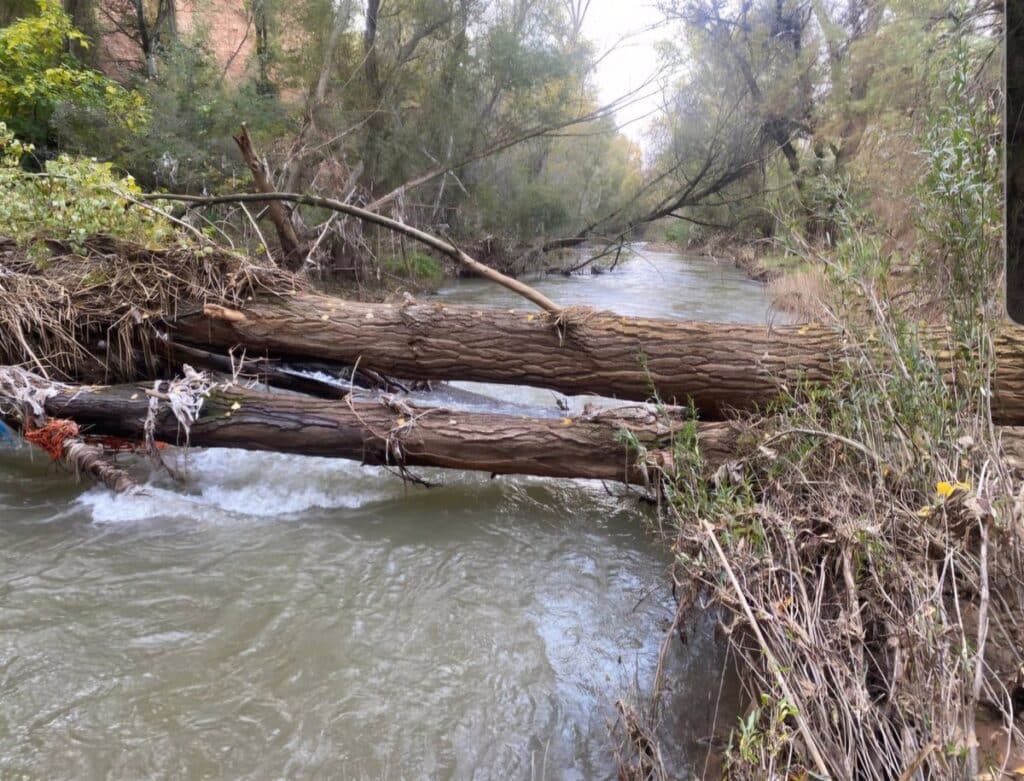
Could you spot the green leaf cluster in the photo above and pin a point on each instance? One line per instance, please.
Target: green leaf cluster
(39, 74)
(72, 199)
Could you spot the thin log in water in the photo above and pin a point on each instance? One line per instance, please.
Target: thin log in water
(91, 460)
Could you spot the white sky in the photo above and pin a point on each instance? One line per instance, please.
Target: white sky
(633, 61)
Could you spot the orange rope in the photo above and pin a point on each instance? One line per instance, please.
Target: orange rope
(52, 436)
(55, 432)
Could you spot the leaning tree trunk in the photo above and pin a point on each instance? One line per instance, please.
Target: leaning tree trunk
(388, 431)
(286, 236)
(720, 367)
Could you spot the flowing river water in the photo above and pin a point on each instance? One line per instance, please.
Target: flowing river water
(288, 617)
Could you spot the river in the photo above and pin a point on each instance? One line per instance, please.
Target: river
(288, 617)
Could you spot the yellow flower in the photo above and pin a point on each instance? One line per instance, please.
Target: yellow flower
(946, 489)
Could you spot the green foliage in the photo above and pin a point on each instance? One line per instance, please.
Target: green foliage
(188, 145)
(447, 80)
(414, 266)
(38, 75)
(678, 232)
(73, 199)
(552, 186)
(961, 211)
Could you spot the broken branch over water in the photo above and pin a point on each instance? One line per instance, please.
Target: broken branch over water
(440, 245)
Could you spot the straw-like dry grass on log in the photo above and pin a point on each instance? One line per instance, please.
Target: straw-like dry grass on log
(80, 314)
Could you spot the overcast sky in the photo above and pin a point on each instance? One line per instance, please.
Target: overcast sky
(633, 61)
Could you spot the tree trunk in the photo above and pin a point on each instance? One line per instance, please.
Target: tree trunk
(146, 40)
(721, 367)
(286, 236)
(387, 430)
(261, 25)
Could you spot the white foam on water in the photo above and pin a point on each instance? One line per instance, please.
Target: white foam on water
(153, 503)
(269, 484)
(222, 484)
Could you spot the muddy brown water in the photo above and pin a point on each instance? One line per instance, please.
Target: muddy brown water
(287, 617)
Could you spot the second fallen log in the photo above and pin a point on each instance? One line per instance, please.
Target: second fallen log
(386, 430)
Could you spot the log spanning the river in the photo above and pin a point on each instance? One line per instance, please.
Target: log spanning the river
(387, 430)
(720, 367)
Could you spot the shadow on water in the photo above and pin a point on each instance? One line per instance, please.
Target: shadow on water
(280, 616)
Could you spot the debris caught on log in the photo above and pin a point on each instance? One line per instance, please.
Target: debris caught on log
(87, 313)
(23, 399)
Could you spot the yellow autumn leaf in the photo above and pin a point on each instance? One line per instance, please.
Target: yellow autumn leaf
(401, 421)
(236, 405)
(566, 421)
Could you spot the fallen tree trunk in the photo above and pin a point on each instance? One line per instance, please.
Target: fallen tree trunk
(388, 431)
(21, 403)
(720, 367)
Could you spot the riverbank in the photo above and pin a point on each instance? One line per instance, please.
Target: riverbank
(867, 549)
(794, 285)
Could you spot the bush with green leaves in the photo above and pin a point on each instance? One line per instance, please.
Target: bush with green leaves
(194, 112)
(412, 266)
(39, 75)
(72, 199)
(961, 211)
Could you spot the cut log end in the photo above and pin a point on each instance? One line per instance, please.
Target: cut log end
(217, 312)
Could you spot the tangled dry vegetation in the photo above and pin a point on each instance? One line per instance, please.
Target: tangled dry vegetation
(88, 313)
(867, 557)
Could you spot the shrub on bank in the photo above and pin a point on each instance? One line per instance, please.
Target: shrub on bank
(71, 199)
(867, 547)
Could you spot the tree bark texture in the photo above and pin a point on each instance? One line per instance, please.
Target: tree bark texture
(720, 367)
(387, 430)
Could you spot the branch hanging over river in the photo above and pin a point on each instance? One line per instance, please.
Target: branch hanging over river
(365, 215)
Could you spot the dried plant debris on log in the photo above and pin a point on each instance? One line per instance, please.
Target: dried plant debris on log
(82, 313)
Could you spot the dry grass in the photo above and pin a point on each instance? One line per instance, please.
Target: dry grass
(800, 293)
(880, 622)
(91, 315)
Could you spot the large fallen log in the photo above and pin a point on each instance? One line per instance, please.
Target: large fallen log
(720, 367)
(388, 431)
